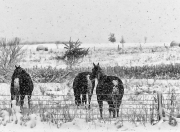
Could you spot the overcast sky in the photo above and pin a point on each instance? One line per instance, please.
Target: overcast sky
(90, 20)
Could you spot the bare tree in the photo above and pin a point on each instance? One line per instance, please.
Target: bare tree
(10, 55)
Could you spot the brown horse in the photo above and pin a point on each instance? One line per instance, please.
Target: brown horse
(21, 85)
(110, 89)
(83, 85)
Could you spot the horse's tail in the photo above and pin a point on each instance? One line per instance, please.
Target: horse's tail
(121, 88)
(117, 92)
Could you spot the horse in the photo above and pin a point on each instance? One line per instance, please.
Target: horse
(110, 89)
(21, 85)
(83, 85)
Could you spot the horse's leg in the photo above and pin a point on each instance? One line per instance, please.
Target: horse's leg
(79, 99)
(100, 102)
(76, 100)
(75, 94)
(84, 92)
(22, 101)
(84, 99)
(17, 99)
(117, 107)
(29, 101)
(111, 108)
(12, 98)
(90, 93)
(89, 99)
(119, 101)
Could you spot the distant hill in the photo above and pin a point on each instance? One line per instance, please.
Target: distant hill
(39, 42)
(42, 42)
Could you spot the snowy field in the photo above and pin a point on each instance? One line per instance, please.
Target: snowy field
(99, 45)
(136, 91)
(153, 54)
(53, 92)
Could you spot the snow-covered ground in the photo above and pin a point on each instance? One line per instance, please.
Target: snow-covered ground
(99, 45)
(80, 125)
(53, 92)
(105, 54)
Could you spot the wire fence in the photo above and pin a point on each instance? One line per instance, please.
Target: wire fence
(62, 108)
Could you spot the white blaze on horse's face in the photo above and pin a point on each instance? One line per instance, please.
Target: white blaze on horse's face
(96, 83)
(16, 83)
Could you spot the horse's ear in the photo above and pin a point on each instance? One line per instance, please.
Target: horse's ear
(94, 64)
(98, 64)
(15, 66)
(19, 66)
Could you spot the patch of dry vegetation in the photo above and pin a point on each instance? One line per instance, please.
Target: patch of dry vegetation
(11, 53)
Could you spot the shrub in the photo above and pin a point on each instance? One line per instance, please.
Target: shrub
(73, 53)
(49, 74)
(11, 53)
(168, 71)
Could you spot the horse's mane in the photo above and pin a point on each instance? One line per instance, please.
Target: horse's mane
(103, 75)
(23, 72)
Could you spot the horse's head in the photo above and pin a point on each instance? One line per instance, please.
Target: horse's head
(17, 72)
(96, 72)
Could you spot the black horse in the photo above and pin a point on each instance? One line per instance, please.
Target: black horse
(83, 85)
(21, 85)
(110, 89)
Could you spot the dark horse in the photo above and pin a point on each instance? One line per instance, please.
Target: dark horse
(21, 85)
(83, 85)
(110, 89)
